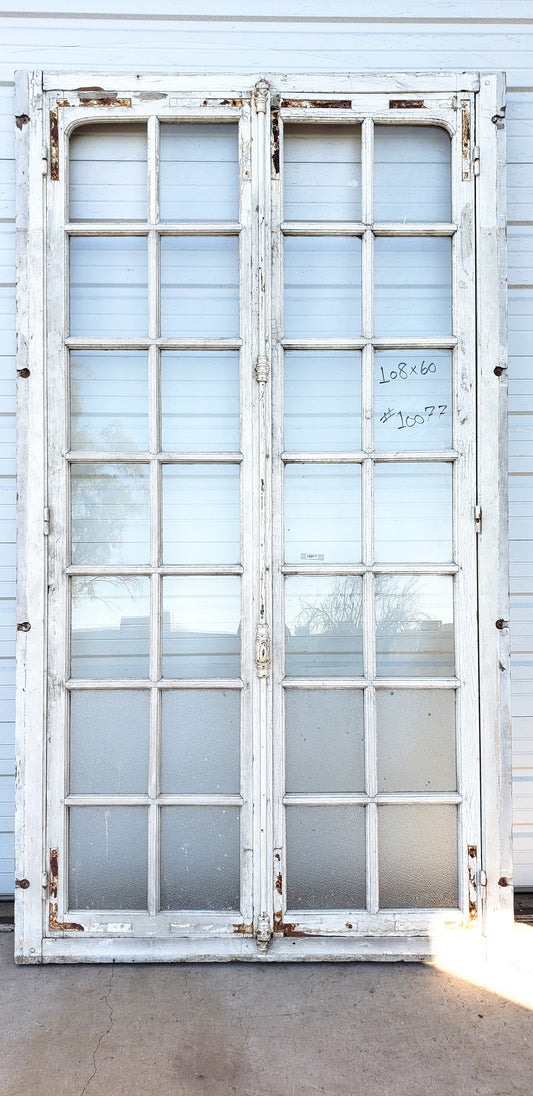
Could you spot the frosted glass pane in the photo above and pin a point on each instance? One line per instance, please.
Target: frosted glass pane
(110, 627)
(322, 286)
(322, 401)
(413, 513)
(108, 858)
(109, 742)
(200, 742)
(200, 858)
(107, 173)
(414, 626)
(109, 401)
(199, 172)
(323, 513)
(417, 856)
(413, 399)
(413, 289)
(200, 401)
(324, 626)
(322, 173)
(326, 860)
(201, 626)
(108, 286)
(324, 741)
(416, 740)
(200, 286)
(110, 513)
(412, 178)
(201, 514)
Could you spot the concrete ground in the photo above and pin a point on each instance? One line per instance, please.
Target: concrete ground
(361, 1029)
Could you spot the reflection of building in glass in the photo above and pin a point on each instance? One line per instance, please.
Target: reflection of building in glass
(123, 652)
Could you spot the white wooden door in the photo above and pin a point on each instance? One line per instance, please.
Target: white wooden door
(263, 734)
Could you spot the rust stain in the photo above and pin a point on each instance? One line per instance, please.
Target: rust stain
(466, 138)
(54, 872)
(54, 147)
(349, 925)
(287, 928)
(21, 120)
(279, 883)
(335, 104)
(94, 88)
(472, 882)
(244, 930)
(275, 142)
(406, 104)
(61, 926)
(104, 101)
(230, 102)
(63, 103)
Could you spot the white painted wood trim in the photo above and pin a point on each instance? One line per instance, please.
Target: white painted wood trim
(31, 542)
(493, 497)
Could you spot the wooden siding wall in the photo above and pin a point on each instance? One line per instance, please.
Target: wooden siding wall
(416, 35)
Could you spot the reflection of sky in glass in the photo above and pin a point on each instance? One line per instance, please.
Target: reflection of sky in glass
(105, 602)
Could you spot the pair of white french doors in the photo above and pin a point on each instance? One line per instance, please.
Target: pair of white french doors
(262, 705)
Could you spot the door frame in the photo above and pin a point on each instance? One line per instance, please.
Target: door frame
(490, 882)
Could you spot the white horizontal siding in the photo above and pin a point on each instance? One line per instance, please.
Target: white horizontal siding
(400, 35)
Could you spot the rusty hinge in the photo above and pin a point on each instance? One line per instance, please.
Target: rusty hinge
(477, 518)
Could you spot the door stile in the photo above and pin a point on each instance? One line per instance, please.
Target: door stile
(464, 494)
(262, 723)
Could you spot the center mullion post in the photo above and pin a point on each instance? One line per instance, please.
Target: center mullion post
(367, 430)
(263, 873)
(155, 512)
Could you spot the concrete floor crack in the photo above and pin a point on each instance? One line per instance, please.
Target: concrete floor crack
(107, 1002)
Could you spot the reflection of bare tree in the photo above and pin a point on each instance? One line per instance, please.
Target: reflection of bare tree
(105, 497)
(341, 612)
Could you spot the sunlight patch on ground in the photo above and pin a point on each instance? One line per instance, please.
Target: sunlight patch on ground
(507, 971)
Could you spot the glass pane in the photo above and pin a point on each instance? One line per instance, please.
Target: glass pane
(109, 742)
(200, 866)
(416, 740)
(322, 286)
(324, 626)
(417, 856)
(322, 401)
(108, 286)
(413, 291)
(201, 514)
(322, 173)
(201, 626)
(109, 401)
(200, 742)
(323, 513)
(108, 858)
(199, 172)
(324, 741)
(413, 399)
(326, 859)
(107, 173)
(200, 401)
(110, 513)
(110, 627)
(414, 626)
(200, 286)
(412, 174)
(413, 513)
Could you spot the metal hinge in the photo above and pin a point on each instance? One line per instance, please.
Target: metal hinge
(46, 521)
(263, 932)
(261, 93)
(475, 160)
(477, 518)
(262, 650)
